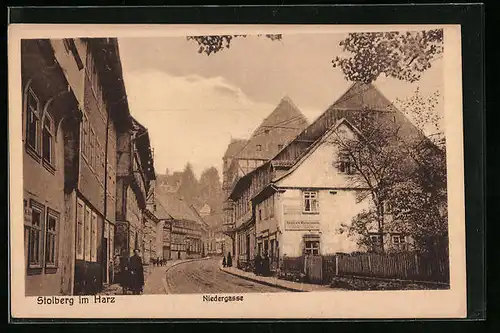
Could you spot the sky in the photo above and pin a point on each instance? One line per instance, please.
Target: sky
(193, 104)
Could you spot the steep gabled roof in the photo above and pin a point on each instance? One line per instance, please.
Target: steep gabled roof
(361, 96)
(177, 207)
(358, 98)
(234, 147)
(307, 152)
(279, 128)
(161, 212)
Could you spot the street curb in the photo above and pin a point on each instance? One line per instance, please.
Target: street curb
(164, 278)
(262, 282)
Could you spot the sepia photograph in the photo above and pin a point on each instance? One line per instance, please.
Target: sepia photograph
(220, 166)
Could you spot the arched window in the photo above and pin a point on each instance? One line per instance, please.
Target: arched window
(32, 121)
(48, 139)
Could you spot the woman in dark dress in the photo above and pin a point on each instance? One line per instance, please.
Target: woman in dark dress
(136, 273)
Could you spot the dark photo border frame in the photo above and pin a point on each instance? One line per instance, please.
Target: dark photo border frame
(469, 16)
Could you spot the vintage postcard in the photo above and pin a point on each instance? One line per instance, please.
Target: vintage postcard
(199, 171)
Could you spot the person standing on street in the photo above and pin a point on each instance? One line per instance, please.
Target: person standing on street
(223, 261)
(136, 272)
(229, 260)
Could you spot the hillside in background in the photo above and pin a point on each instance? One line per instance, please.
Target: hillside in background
(198, 192)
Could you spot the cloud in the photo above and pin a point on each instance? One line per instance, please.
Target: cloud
(191, 118)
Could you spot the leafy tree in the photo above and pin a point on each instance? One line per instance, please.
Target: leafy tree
(422, 110)
(419, 203)
(210, 189)
(400, 55)
(189, 184)
(376, 165)
(215, 43)
(404, 180)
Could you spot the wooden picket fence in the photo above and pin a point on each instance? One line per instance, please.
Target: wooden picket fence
(404, 266)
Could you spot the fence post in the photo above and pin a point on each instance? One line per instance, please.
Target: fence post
(369, 263)
(336, 264)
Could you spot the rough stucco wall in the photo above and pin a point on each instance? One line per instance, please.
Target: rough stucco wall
(46, 188)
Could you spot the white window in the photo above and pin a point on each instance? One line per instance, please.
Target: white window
(87, 236)
(48, 140)
(399, 241)
(35, 240)
(32, 121)
(80, 227)
(93, 242)
(310, 200)
(51, 239)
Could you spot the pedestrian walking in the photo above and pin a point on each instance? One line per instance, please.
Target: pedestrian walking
(229, 260)
(223, 261)
(121, 273)
(136, 273)
(258, 264)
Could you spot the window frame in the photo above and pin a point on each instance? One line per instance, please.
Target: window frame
(55, 234)
(51, 132)
(40, 209)
(87, 233)
(93, 237)
(259, 147)
(84, 136)
(309, 250)
(376, 246)
(306, 198)
(345, 164)
(80, 231)
(402, 242)
(37, 114)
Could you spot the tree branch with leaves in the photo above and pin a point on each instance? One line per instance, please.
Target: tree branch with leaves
(400, 55)
(215, 43)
